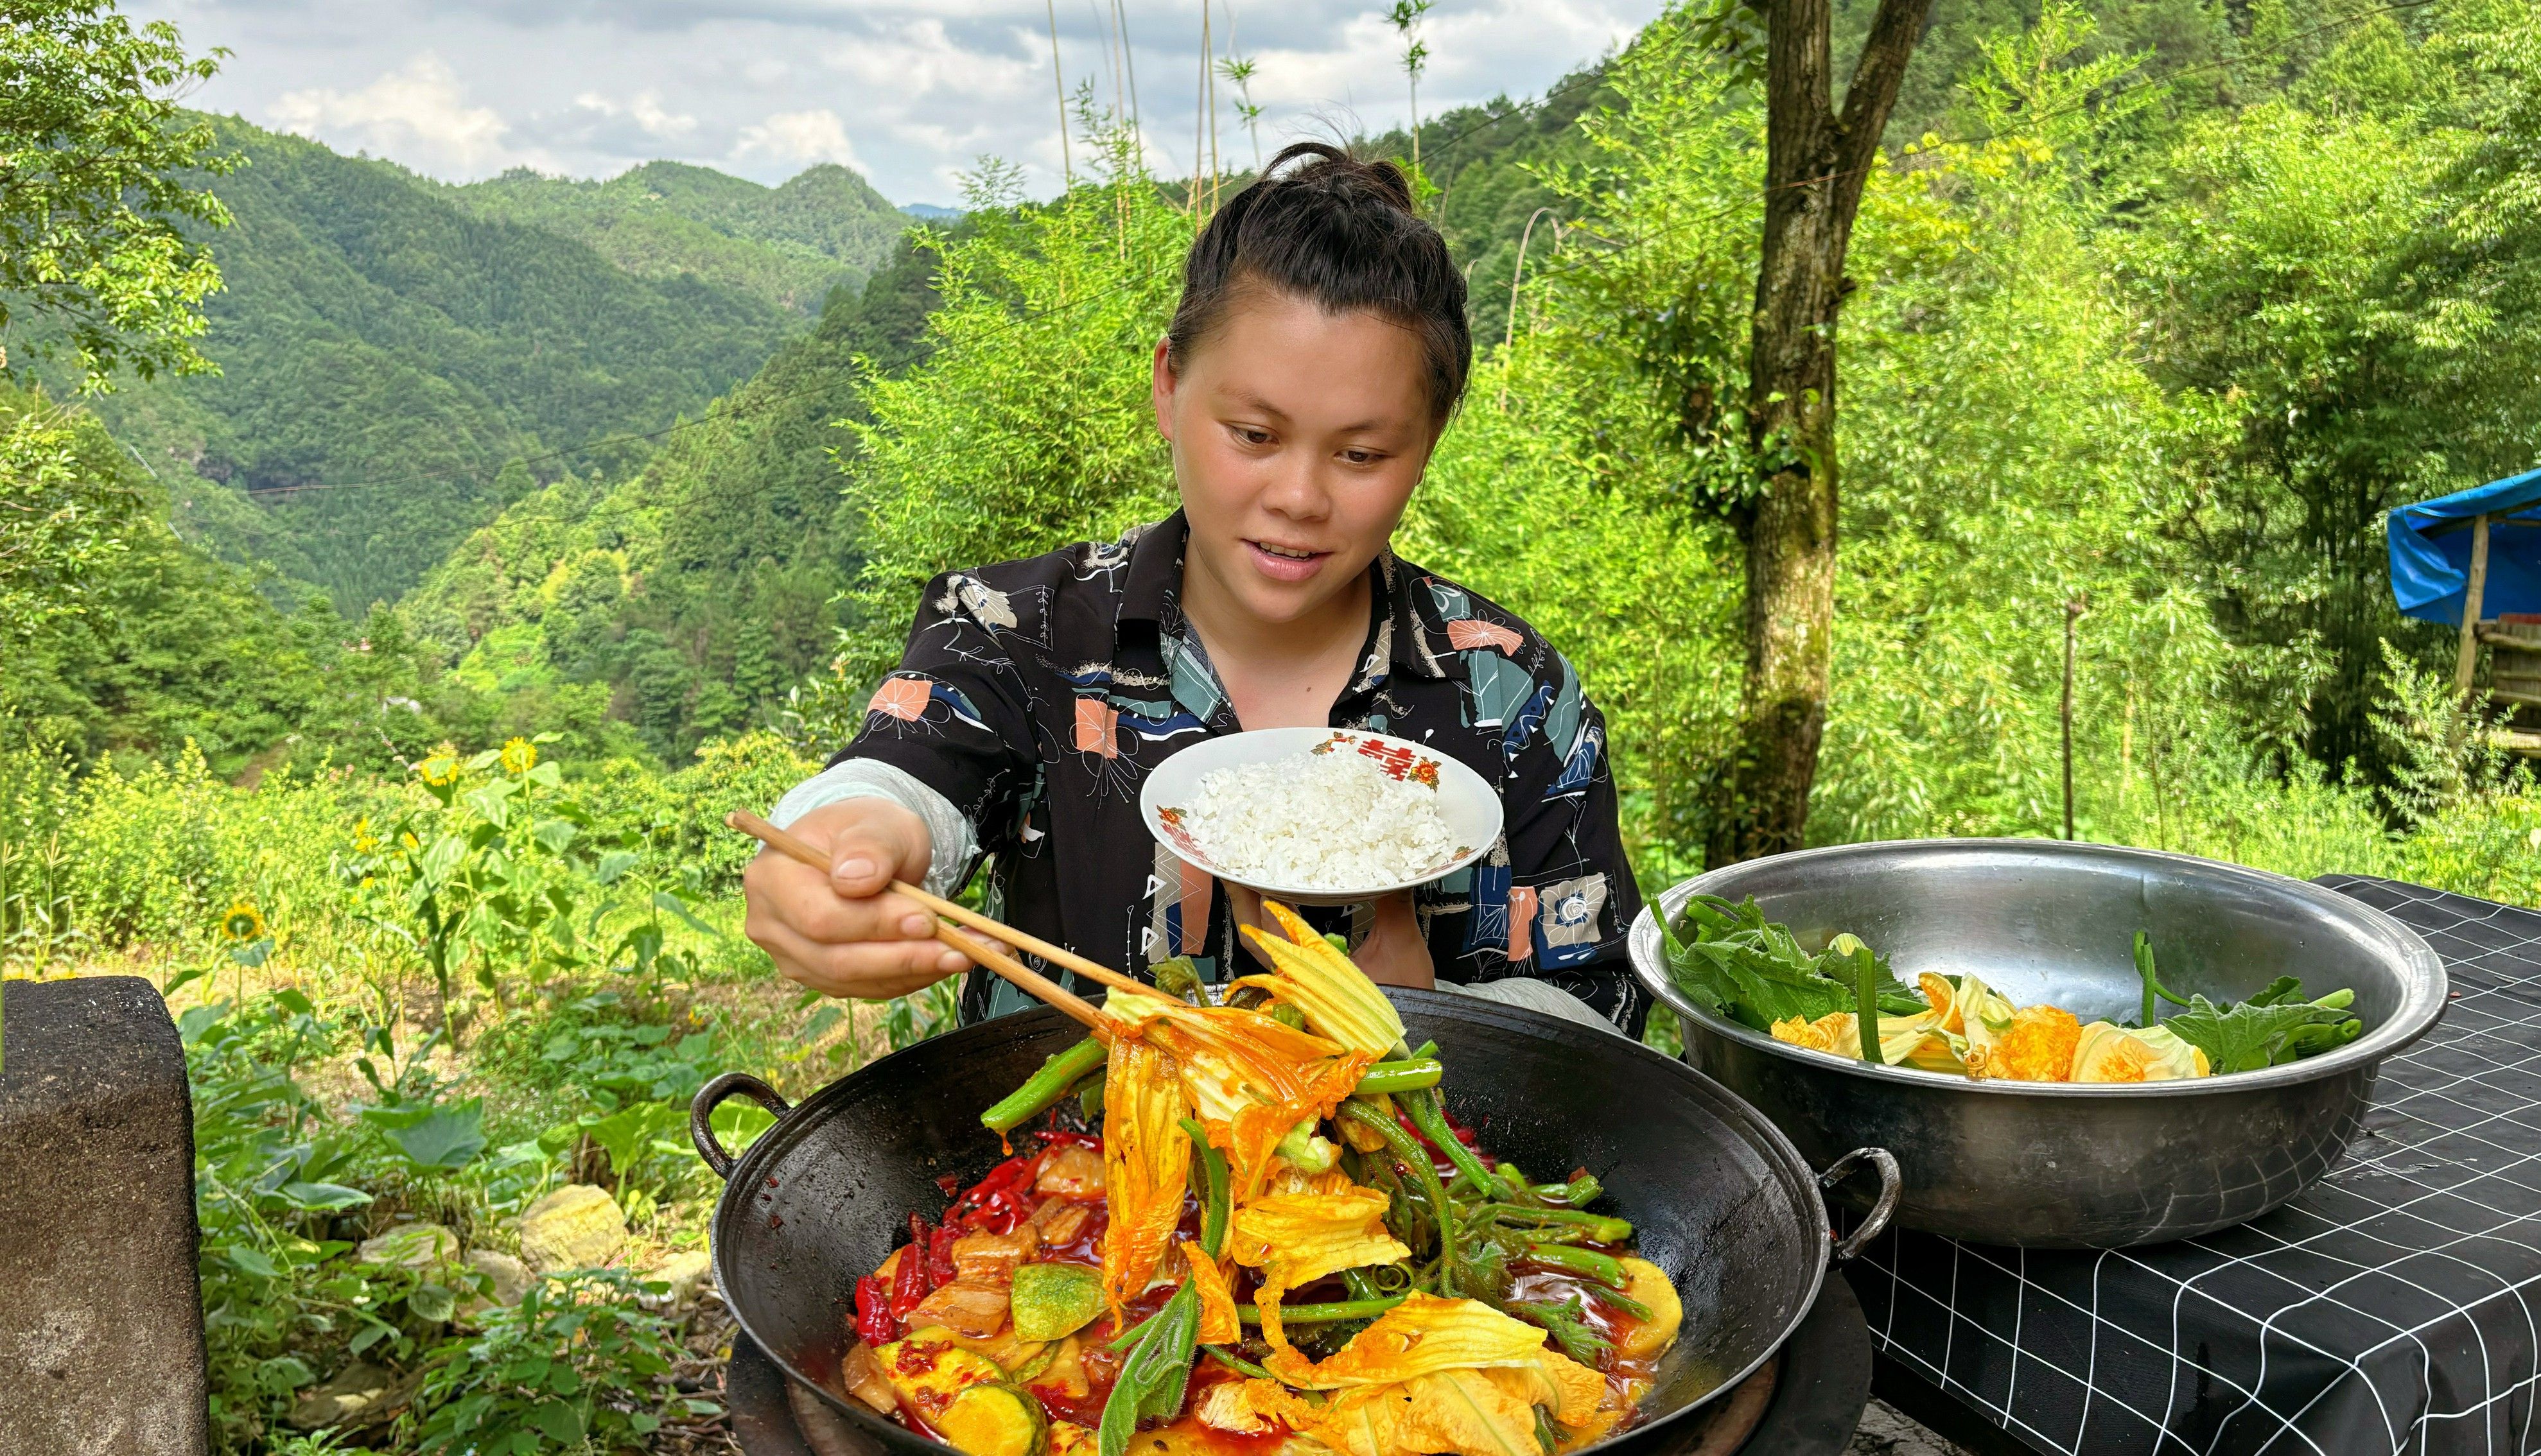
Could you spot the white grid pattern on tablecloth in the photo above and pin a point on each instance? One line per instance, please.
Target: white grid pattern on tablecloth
(2393, 1307)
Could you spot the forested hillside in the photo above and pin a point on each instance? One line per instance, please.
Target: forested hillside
(701, 589)
(824, 228)
(384, 351)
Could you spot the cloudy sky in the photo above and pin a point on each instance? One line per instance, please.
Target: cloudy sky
(909, 92)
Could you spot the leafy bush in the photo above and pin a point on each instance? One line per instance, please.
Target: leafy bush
(570, 1367)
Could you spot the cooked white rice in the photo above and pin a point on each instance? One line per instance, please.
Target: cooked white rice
(1330, 821)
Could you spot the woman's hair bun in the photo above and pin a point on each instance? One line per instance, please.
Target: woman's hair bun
(1339, 230)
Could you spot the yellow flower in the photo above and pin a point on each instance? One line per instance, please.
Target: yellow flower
(520, 756)
(364, 841)
(242, 924)
(409, 841)
(441, 768)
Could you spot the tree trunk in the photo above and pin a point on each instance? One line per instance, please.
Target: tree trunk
(1815, 163)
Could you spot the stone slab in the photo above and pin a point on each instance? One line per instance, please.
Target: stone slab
(101, 1314)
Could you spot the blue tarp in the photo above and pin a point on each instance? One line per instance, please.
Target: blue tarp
(2431, 551)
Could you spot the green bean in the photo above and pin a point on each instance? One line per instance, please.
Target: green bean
(1400, 1076)
(1588, 1263)
(1600, 1228)
(1321, 1314)
(1054, 1079)
(1414, 1157)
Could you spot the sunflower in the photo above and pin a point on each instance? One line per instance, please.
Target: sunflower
(244, 922)
(520, 756)
(441, 768)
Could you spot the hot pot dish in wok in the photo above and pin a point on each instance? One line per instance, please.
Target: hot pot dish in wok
(1255, 1228)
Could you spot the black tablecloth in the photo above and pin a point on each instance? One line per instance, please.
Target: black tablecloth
(2394, 1307)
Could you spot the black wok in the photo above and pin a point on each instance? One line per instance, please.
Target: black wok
(1720, 1200)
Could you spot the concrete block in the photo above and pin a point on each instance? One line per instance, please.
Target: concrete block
(100, 1315)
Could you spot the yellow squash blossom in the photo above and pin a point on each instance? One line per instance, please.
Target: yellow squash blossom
(1296, 1239)
(1252, 1076)
(1335, 995)
(1146, 1165)
(1218, 1322)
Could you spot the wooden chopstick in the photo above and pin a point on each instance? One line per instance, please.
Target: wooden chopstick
(1026, 980)
(996, 930)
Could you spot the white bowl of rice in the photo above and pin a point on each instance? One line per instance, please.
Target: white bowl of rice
(1320, 816)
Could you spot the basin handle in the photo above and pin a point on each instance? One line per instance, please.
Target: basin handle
(702, 1114)
(1891, 1186)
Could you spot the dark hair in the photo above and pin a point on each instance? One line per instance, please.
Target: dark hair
(1341, 232)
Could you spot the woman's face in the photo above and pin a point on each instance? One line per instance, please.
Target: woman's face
(1297, 437)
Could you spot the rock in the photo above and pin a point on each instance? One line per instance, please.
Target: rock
(510, 1277)
(578, 1226)
(690, 1273)
(362, 1397)
(101, 1316)
(410, 1246)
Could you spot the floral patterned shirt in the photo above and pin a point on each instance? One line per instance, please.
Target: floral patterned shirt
(1036, 695)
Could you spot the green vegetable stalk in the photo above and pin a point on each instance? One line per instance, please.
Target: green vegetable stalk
(1588, 1263)
(1044, 1087)
(1216, 1203)
(1322, 1314)
(2153, 985)
(1407, 1075)
(1416, 1158)
(1431, 1120)
(1597, 1227)
(1865, 1000)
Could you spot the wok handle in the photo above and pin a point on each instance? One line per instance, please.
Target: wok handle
(702, 1114)
(1891, 1186)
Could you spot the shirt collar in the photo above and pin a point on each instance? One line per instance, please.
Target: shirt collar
(1151, 591)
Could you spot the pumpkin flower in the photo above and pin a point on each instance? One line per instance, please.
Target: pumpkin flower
(520, 756)
(242, 924)
(1335, 996)
(1146, 1165)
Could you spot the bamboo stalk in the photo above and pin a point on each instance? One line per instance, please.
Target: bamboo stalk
(1026, 980)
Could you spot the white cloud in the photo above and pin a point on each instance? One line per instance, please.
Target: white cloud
(645, 110)
(800, 138)
(919, 90)
(418, 114)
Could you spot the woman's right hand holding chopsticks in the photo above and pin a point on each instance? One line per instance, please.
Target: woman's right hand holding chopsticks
(843, 932)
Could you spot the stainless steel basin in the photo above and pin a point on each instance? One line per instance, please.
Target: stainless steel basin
(2060, 1165)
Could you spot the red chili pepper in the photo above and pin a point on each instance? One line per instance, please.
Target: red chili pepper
(875, 1323)
(939, 1255)
(909, 1286)
(1057, 1138)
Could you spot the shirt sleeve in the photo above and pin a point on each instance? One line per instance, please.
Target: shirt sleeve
(954, 840)
(1569, 896)
(956, 714)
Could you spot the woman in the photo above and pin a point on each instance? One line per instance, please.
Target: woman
(1316, 357)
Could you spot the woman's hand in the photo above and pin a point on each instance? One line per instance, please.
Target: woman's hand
(1394, 953)
(840, 933)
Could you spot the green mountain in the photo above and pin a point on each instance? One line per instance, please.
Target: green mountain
(385, 349)
(703, 587)
(790, 245)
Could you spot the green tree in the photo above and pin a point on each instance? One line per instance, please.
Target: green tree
(98, 173)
